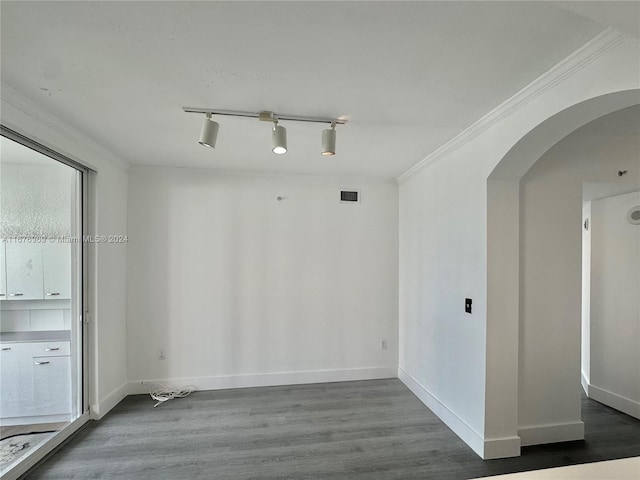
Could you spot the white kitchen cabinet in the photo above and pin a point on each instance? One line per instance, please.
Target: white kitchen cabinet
(56, 269)
(3, 273)
(36, 271)
(36, 380)
(51, 385)
(16, 394)
(24, 271)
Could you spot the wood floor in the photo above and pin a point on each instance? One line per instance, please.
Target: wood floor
(355, 430)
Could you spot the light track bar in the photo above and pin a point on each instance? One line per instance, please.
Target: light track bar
(278, 116)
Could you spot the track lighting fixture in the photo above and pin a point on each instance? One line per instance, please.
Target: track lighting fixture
(279, 138)
(329, 140)
(278, 133)
(209, 132)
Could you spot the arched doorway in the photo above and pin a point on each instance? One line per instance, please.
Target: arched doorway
(503, 273)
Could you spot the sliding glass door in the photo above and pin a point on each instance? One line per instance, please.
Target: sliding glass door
(42, 300)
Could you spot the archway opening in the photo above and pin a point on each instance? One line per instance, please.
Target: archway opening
(506, 298)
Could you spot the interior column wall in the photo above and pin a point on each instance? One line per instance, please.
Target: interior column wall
(550, 269)
(428, 226)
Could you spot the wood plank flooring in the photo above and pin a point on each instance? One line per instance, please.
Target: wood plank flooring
(353, 430)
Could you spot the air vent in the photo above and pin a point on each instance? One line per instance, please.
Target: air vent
(349, 196)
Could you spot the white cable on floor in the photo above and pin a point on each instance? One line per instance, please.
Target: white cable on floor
(164, 393)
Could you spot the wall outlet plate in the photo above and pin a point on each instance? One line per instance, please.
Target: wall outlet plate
(467, 305)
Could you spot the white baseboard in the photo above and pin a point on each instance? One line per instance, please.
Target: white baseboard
(266, 379)
(105, 404)
(585, 383)
(491, 448)
(613, 400)
(501, 447)
(559, 432)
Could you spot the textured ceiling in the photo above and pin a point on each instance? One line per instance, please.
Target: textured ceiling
(408, 75)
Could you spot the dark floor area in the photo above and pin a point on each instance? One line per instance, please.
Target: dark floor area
(353, 430)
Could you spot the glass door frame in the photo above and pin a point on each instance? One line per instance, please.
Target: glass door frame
(86, 253)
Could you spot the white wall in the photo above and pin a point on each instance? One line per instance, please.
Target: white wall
(239, 289)
(551, 263)
(465, 367)
(615, 307)
(442, 348)
(110, 292)
(107, 347)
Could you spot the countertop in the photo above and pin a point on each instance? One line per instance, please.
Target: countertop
(37, 336)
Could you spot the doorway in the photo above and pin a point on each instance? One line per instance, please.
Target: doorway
(610, 283)
(538, 410)
(42, 300)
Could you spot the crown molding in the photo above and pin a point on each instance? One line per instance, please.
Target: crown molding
(82, 142)
(576, 61)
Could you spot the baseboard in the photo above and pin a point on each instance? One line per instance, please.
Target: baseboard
(506, 447)
(453, 421)
(585, 383)
(613, 400)
(553, 433)
(105, 404)
(266, 379)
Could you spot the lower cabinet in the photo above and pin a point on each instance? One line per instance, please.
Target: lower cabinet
(35, 379)
(51, 385)
(16, 392)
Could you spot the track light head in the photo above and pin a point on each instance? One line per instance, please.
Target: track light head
(209, 132)
(329, 140)
(279, 137)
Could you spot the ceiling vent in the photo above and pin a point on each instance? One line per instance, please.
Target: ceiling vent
(349, 196)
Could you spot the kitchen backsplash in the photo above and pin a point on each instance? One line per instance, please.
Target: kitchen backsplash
(37, 315)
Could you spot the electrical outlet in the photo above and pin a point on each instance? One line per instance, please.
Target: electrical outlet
(162, 355)
(383, 344)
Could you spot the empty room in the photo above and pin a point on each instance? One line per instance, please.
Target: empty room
(319, 239)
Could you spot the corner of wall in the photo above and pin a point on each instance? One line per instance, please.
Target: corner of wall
(106, 404)
(453, 421)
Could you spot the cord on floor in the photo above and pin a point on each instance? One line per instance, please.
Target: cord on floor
(164, 393)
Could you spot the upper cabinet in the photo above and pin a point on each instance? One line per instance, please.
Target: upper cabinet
(56, 269)
(24, 271)
(39, 210)
(37, 271)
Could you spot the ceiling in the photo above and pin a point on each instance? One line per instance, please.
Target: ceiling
(408, 76)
